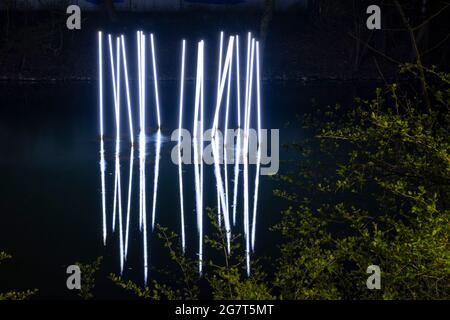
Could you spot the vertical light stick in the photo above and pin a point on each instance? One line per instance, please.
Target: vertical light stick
(198, 172)
(238, 142)
(258, 157)
(155, 79)
(127, 87)
(102, 148)
(180, 172)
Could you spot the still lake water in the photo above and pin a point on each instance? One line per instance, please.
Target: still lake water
(50, 190)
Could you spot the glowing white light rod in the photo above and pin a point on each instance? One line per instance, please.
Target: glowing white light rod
(115, 73)
(215, 145)
(180, 171)
(141, 65)
(238, 142)
(127, 87)
(139, 60)
(155, 80)
(100, 79)
(113, 78)
(250, 49)
(219, 73)
(102, 148)
(156, 176)
(142, 152)
(119, 183)
(227, 106)
(158, 142)
(198, 153)
(258, 157)
(119, 191)
(143, 148)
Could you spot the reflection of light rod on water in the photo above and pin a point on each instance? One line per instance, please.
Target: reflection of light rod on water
(155, 80)
(143, 206)
(238, 142)
(130, 183)
(102, 148)
(156, 173)
(180, 172)
(258, 157)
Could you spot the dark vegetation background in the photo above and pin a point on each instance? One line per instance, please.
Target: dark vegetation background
(326, 40)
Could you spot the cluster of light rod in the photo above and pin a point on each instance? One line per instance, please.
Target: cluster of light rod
(119, 62)
(225, 71)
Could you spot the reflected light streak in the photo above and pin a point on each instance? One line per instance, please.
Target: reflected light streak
(142, 200)
(156, 173)
(180, 171)
(130, 183)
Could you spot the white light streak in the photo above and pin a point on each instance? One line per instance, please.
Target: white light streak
(238, 142)
(225, 74)
(115, 90)
(219, 77)
(180, 171)
(215, 142)
(155, 80)
(130, 183)
(127, 87)
(102, 147)
(198, 153)
(156, 176)
(258, 156)
(249, 76)
(227, 107)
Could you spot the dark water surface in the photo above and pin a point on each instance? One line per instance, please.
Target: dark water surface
(50, 191)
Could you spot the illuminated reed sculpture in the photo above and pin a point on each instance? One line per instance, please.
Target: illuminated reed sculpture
(180, 165)
(227, 194)
(198, 148)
